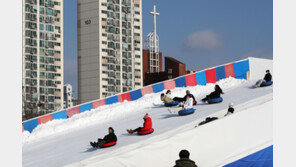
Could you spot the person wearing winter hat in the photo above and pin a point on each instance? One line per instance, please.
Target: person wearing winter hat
(146, 125)
(165, 98)
(183, 99)
(111, 137)
(230, 109)
(184, 160)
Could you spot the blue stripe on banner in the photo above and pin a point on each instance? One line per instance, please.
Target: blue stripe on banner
(241, 68)
(59, 115)
(111, 100)
(30, 125)
(86, 107)
(220, 73)
(201, 78)
(262, 158)
(136, 94)
(158, 87)
(180, 82)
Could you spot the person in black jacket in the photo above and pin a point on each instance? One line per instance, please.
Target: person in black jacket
(230, 109)
(182, 99)
(111, 137)
(216, 94)
(184, 160)
(267, 78)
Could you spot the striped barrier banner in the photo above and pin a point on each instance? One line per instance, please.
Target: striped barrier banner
(239, 70)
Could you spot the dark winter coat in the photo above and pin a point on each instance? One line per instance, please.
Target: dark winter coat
(208, 119)
(231, 110)
(111, 137)
(215, 94)
(267, 77)
(185, 162)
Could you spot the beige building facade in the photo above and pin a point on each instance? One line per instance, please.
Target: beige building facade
(109, 47)
(42, 77)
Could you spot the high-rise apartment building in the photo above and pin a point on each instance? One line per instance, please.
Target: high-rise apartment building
(109, 47)
(42, 57)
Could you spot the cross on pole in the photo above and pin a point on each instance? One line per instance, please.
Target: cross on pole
(154, 13)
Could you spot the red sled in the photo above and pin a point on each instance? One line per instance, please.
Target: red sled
(108, 144)
(145, 132)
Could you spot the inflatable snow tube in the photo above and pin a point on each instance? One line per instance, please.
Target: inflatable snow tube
(145, 132)
(108, 144)
(266, 84)
(174, 103)
(186, 112)
(217, 100)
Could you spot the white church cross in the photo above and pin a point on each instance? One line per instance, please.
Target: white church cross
(154, 13)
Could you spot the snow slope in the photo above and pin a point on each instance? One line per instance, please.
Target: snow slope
(213, 144)
(62, 142)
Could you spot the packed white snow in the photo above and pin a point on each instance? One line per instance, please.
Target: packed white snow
(109, 113)
(62, 142)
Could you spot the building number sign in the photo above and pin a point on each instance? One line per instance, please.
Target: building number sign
(87, 22)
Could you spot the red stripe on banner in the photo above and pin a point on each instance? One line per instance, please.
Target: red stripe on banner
(191, 80)
(169, 84)
(23, 127)
(44, 119)
(229, 70)
(99, 103)
(72, 111)
(125, 96)
(147, 90)
(211, 76)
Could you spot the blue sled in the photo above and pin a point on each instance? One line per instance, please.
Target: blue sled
(186, 112)
(217, 100)
(266, 84)
(174, 103)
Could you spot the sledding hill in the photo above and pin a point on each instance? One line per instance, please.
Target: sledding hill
(62, 142)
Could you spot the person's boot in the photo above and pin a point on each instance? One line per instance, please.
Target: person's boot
(92, 144)
(130, 131)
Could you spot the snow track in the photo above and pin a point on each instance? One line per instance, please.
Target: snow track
(62, 142)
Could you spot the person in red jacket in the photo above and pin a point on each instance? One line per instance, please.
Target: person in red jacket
(147, 125)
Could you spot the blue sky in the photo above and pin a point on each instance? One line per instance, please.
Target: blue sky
(199, 33)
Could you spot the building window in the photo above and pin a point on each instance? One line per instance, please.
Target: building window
(137, 12)
(104, 35)
(170, 71)
(137, 83)
(137, 20)
(137, 27)
(138, 56)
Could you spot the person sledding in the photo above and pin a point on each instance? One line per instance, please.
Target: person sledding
(183, 106)
(214, 95)
(183, 99)
(267, 78)
(147, 125)
(230, 109)
(111, 137)
(165, 98)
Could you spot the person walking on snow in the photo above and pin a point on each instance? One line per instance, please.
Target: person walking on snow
(184, 160)
(165, 98)
(184, 106)
(111, 137)
(147, 125)
(230, 109)
(267, 78)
